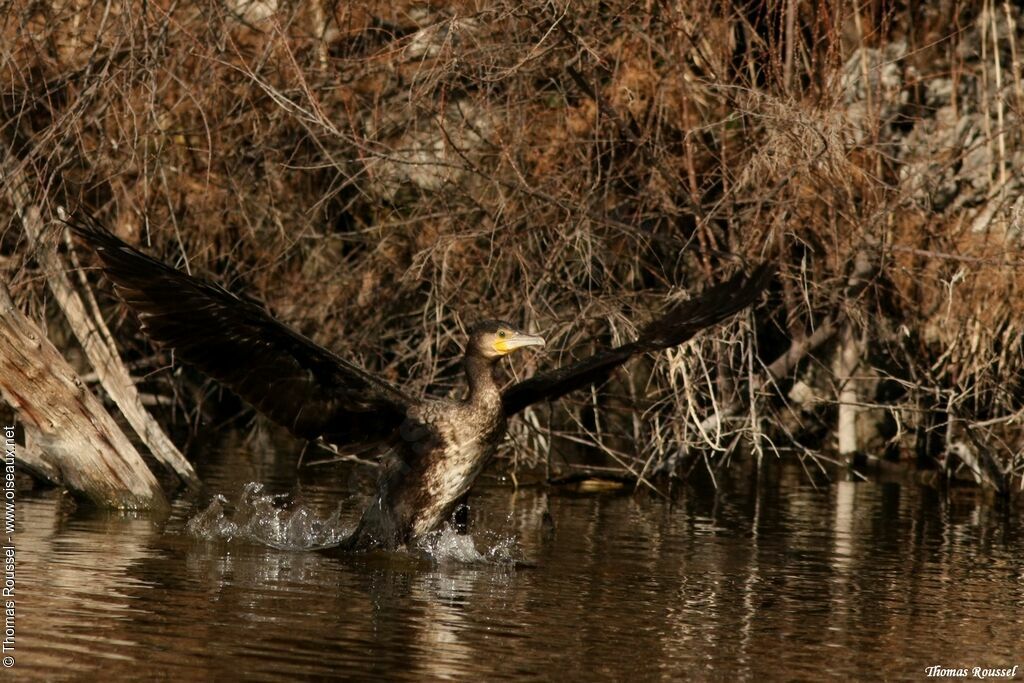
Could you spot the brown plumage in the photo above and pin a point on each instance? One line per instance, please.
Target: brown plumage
(436, 447)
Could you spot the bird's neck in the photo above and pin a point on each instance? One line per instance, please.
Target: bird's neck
(483, 390)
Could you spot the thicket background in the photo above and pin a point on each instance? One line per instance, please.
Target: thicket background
(381, 174)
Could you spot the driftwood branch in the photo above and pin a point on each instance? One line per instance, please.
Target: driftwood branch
(71, 433)
(34, 459)
(93, 334)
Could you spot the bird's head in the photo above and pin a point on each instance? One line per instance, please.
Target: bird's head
(493, 339)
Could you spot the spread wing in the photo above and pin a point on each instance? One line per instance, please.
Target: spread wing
(677, 324)
(284, 375)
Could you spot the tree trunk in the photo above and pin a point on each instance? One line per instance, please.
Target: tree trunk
(847, 360)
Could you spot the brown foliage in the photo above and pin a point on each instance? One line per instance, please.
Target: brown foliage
(383, 173)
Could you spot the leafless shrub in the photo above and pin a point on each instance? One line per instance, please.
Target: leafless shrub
(382, 173)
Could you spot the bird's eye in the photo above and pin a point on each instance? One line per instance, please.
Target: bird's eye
(501, 333)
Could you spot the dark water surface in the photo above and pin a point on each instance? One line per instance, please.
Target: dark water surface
(770, 577)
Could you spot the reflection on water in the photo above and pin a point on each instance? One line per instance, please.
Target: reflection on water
(769, 576)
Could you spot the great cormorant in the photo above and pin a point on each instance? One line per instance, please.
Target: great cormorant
(436, 447)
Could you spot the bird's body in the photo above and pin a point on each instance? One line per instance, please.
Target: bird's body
(434, 449)
(467, 435)
(442, 446)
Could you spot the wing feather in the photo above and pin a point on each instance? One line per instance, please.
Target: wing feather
(677, 324)
(281, 373)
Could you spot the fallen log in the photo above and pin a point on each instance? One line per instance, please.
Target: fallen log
(92, 333)
(72, 434)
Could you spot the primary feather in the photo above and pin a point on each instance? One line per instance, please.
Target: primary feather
(676, 325)
(284, 375)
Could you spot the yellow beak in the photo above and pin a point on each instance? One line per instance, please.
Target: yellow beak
(517, 341)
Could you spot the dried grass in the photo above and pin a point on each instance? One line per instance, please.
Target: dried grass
(383, 173)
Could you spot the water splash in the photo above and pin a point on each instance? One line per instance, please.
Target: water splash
(257, 517)
(447, 545)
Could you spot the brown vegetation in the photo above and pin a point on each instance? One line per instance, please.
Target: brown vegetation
(381, 175)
